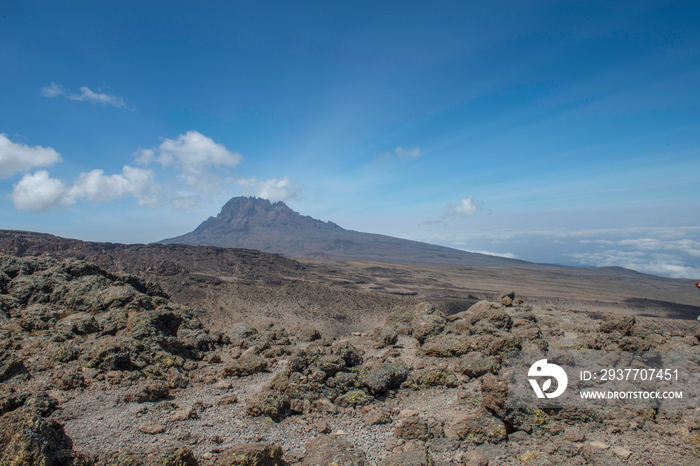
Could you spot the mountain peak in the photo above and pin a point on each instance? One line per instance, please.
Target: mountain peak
(243, 203)
(251, 216)
(255, 223)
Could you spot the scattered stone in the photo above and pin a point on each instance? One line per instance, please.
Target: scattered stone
(325, 406)
(184, 414)
(622, 452)
(529, 456)
(227, 400)
(573, 434)
(305, 333)
(223, 385)
(518, 436)
(506, 298)
(412, 428)
(148, 392)
(377, 417)
(418, 457)
(322, 427)
(332, 450)
(474, 458)
(152, 428)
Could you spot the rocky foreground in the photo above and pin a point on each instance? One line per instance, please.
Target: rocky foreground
(99, 368)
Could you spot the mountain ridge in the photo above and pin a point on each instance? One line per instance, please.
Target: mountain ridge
(254, 223)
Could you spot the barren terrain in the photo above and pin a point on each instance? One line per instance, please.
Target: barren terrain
(200, 355)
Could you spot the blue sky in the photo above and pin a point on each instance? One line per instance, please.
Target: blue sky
(553, 132)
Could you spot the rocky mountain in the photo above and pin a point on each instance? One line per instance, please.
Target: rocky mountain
(253, 223)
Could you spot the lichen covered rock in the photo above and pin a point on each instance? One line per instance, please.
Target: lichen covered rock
(247, 364)
(481, 427)
(26, 438)
(268, 403)
(251, 454)
(386, 376)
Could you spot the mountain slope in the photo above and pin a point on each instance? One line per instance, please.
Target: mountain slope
(258, 224)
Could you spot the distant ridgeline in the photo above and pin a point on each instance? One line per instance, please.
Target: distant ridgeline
(253, 223)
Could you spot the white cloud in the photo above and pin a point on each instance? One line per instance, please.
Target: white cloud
(39, 192)
(86, 95)
(195, 155)
(272, 189)
(95, 186)
(467, 206)
(15, 158)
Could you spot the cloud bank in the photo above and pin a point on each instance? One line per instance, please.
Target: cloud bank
(665, 251)
(86, 95)
(17, 158)
(199, 164)
(197, 158)
(39, 192)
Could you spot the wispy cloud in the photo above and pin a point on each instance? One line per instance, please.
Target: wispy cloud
(401, 153)
(39, 192)
(17, 158)
(85, 95)
(273, 190)
(464, 208)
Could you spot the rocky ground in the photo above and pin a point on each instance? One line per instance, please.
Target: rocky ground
(103, 368)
